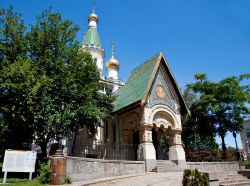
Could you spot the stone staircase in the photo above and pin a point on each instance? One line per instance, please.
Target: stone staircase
(232, 178)
(167, 166)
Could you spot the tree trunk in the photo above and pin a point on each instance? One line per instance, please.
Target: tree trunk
(236, 146)
(43, 155)
(234, 135)
(224, 149)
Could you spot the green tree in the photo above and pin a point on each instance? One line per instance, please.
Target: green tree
(198, 131)
(41, 71)
(224, 103)
(16, 78)
(65, 76)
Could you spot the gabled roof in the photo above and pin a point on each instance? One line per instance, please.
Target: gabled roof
(137, 88)
(92, 38)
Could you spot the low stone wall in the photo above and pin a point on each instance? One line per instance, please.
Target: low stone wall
(214, 166)
(81, 169)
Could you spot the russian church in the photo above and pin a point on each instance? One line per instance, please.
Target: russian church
(147, 112)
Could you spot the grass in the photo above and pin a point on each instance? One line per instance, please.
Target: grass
(21, 182)
(18, 181)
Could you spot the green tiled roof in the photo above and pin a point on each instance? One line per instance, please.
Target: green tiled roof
(138, 83)
(91, 38)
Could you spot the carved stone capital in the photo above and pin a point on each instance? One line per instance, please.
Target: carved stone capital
(176, 139)
(145, 133)
(145, 127)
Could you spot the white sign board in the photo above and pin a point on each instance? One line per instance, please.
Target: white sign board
(19, 161)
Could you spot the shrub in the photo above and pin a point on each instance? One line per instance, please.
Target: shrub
(44, 173)
(67, 180)
(194, 178)
(247, 164)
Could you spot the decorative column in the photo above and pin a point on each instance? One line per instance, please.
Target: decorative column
(146, 150)
(176, 151)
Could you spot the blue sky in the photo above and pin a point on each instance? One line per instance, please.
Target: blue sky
(207, 36)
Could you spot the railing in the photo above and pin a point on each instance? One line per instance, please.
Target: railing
(162, 153)
(105, 151)
(208, 155)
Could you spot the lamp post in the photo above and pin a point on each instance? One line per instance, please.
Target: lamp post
(59, 151)
(58, 161)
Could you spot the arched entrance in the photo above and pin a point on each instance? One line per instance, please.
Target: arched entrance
(130, 134)
(161, 142)
(136, 142)
(161, 134)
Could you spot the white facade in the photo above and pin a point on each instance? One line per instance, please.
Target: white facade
(93, 23)
(112, 73)
(141, 124)
(92, 43)
(245, 138)
(98, 55)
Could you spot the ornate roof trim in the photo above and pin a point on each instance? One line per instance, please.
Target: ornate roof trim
(148, 71)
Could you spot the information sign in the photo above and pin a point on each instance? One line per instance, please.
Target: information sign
(18, 161)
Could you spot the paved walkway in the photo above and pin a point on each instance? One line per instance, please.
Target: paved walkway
(148, 179)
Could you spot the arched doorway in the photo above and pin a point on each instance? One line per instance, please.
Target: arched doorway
(161, 143)
(136, 142)
(130, 134)
(161, 134)
(155, 141)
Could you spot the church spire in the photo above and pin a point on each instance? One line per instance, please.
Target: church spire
(112, 48)
(92, 43)
(112, 65)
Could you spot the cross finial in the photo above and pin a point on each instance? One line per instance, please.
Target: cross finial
(112, 46)
(93, 7)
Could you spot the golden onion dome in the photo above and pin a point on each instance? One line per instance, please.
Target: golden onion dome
(93, 16)
(112, 62)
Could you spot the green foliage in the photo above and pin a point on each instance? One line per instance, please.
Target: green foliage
(194, 178)
(247, 164)
(198, 130)
(220, 107)
(165, 141)
(16, 78)
(40, 70)
(67, 180)
(44, 173)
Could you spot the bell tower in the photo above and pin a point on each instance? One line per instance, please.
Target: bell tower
(92, 43)
(112, 67)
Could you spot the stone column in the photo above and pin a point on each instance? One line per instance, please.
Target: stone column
(176, 151)
(146, 150)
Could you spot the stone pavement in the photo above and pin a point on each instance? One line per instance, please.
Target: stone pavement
(147, 179)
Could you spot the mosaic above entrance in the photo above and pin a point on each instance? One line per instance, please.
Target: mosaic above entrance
(161, 94)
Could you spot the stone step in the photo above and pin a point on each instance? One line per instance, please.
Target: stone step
(225, 173)
(232, 177)
(167, 166)
(170, 170)
(246, 183)
(164, 163)
(235, 181)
